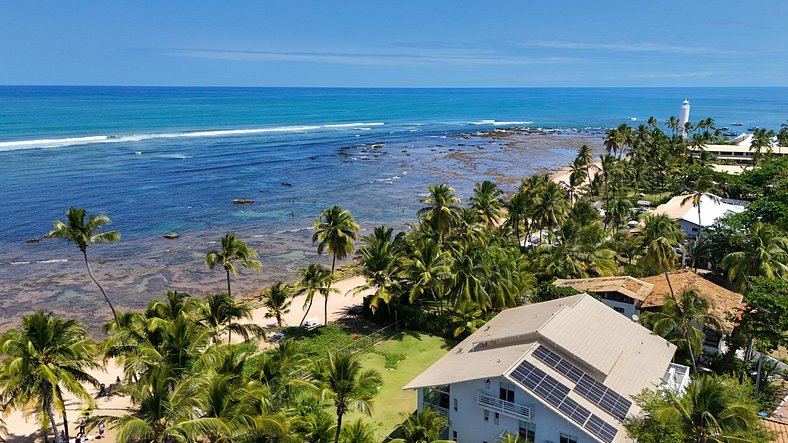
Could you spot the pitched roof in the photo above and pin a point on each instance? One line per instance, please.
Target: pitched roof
(781, 428)
(610, 348)
(721, 301)
(711, 207)
(626, 285)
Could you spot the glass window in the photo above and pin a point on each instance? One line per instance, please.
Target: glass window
(566, 438)
(454, 435)
(527, 431)
(496, 418)
(506, 392)
(486, 415)
(456, 404)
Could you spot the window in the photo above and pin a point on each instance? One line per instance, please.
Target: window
(487, 384)
(496, 417)
(454, 435)
(527, 432)
(694, 229)
(619, 310)
(486, 415)
(456, 404)
(566, 438)
(506, 392)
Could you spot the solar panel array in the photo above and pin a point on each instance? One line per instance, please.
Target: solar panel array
(556, 394)
(597, 393)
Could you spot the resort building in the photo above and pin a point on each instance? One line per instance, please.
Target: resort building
(712, 208)
(631, 296)
(739, 152)
(561, 371)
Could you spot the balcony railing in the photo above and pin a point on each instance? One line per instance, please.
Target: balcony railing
(504, 407)
(442, 411)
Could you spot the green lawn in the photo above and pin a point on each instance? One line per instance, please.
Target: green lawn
(392, 405)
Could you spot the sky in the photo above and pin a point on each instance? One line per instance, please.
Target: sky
(427, 43)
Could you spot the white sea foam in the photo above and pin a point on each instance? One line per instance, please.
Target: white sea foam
(498, 123)
(94, 139)
(61, 260)
(19, 262)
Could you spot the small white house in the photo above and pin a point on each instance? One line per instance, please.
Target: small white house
(561, 371)
(682, 209)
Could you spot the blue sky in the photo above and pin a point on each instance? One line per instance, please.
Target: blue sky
(395, 43)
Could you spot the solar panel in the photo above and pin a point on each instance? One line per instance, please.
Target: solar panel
(600, 428)
(599, 394)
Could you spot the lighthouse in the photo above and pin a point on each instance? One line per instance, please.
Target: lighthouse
(684, 117)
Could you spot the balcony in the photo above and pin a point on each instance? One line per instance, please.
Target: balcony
(504, 407)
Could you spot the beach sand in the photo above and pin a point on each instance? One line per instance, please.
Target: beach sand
(561, 176)
(24, 429)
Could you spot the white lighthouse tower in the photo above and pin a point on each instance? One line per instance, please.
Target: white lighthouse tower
(684, 117)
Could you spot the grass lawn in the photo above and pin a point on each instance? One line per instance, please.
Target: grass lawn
(392, 405)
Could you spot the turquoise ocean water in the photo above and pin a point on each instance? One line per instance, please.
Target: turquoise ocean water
(161, 160)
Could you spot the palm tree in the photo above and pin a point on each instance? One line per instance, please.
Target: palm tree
(673, 124)
(661, 237)
(219, 312)
(761, 139)
(486, 202)
(707, 412)
(618, 211)
(652, 123)
(586, 157)
(277, 300)
(426, 267)
(335, 231)
(380, 264)
(44, 357)
(441, 209)
(467, 318)
(425, 426)
(358, 432)
(682, 321)
(701, 186)
(517, 209)
(82, 230)
(764, 251)
(552, 206)
(348, 386)
(511, 438)
(577, 176)
(314, 279)
(233, 250)
(613, 141)
(167, 411)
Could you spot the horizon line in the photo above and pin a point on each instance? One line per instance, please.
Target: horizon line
(64, 85)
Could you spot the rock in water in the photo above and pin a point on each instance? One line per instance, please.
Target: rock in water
(242, 201)
(171, 236)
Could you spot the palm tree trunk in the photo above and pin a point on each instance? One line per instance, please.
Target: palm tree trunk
(65, 417)
(672, 294)
(228, 283)
(50, 415)
(325, 297)
(279, 319)
(692, 355)
(90, 273)
(307, 311)
(339, 425)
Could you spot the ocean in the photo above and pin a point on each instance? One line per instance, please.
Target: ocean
(161, 160)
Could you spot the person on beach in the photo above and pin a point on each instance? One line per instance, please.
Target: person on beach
(101, 430)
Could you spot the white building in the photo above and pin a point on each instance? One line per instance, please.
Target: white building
(684, 115)
(712, 208)
(561, 371)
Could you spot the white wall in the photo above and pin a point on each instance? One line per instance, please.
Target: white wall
(468, 419)
(629, 308)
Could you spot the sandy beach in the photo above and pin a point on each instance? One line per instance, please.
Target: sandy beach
(25, 429)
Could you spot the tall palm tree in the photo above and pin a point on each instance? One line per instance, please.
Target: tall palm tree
(233, 250)
(82, 230)
(517, 209)
(707, 412)
(682, 322)
(220, 313)
(701, 186)
(315, 278)
(335, 232)
(348, 385)
(427, 267)
(441, 209)
(552, 206)
(673, 124)
(764, 251)
(661, 237)
(761, 139)
(613, 141)
(577, 177)
(486, 201)
(44, 357)
(381, 264)
(277, 300)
